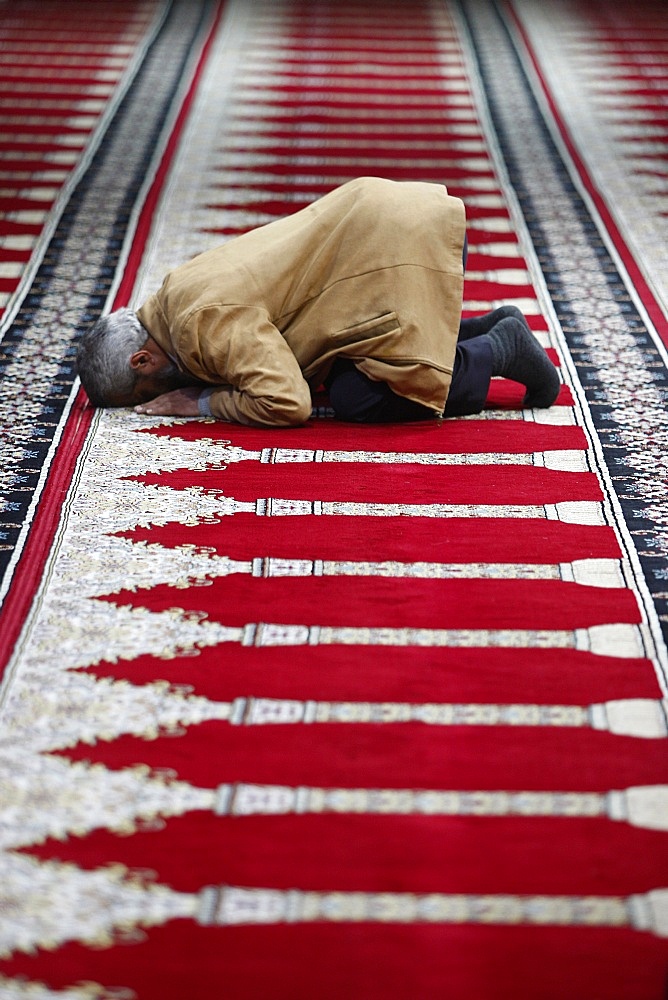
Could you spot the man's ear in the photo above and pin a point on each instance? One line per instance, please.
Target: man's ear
(140, 359)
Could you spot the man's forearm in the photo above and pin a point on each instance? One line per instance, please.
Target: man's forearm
(289, 406)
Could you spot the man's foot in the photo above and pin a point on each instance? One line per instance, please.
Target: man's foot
(516, 354)
(475, 326)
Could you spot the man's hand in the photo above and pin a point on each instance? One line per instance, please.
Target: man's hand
(177, 403)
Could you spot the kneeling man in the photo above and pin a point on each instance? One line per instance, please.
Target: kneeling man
(360, 291)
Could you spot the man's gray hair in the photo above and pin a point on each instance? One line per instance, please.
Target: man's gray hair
(103, 358)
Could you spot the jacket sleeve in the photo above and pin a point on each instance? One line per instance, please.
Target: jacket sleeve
(258, 378)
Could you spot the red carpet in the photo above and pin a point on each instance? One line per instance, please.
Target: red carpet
(340, 711)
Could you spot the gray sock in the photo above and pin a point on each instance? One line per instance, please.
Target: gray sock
(516, 354)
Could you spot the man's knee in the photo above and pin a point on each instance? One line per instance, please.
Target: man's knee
(353, 397)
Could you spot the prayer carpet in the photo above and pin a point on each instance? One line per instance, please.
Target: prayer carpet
(338, 711)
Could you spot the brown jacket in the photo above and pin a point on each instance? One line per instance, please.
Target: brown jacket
(372, 271)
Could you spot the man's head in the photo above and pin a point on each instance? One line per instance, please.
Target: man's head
(120, 364)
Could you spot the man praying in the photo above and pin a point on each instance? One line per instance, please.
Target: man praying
(360, 292)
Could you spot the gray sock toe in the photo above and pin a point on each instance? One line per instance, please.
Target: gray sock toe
(516, 354)
(475, 326)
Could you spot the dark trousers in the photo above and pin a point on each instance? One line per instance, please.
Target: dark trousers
(356, 398)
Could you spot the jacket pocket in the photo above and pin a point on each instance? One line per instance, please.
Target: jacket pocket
(379, 326)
